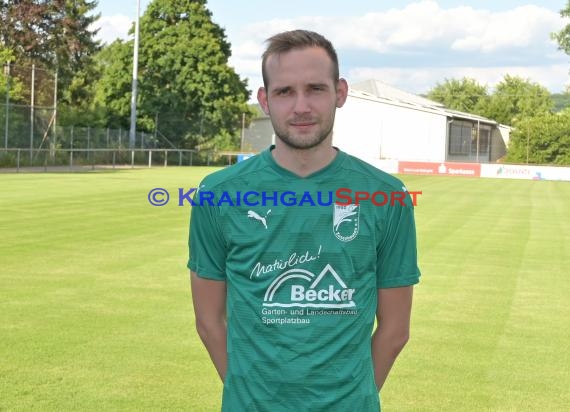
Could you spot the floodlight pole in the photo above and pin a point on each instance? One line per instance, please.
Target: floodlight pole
(132, 131)
(54, 142)
(32, 113)
(7, 125)
(242, 130)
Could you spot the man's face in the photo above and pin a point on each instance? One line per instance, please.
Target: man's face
(301, 96)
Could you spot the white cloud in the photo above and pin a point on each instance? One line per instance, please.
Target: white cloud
(518, 28)
(459, 37)
(426, 24)
(248, 49)
(421, 80)
(113, 27)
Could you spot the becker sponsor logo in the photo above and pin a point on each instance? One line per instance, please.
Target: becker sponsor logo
(302, 288)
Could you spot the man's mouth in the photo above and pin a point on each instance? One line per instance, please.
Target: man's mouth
(303, 124)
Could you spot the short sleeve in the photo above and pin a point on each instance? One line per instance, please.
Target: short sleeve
(206, 243)
(397, 261)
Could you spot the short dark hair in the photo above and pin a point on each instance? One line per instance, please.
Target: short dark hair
(295, 40)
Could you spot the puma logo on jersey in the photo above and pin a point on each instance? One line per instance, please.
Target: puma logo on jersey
(254, 215)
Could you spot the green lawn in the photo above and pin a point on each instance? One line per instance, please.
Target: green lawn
(96, 313)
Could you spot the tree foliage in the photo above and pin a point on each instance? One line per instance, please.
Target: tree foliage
(102, 89)
(513, 98)
(186, 88)
(54, 34)
(73, 42)
(465, 95)
(563, 36)
(24, 28)
(516, 98)
(542, 139)
(15, 85)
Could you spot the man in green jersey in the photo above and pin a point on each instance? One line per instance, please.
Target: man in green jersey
(286, 281)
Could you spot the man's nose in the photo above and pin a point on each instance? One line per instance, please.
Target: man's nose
(302, 103)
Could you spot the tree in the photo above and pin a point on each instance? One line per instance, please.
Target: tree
(465, 95)
(186, 78)
(53, 34)
(12, 91)
(543, 139)
(72, 42)
(516, 98)
(187, 90)
(23, 28)
(102, 89)
(563, 36)
(15, 86)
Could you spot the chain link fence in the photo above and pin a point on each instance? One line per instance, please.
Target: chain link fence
(46, 160)
(32, 138)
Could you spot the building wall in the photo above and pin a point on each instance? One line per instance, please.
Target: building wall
(258, 135)
(498, 143)
(372, 129)
(358, 128)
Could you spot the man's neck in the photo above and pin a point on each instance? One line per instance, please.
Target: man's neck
(303, 162)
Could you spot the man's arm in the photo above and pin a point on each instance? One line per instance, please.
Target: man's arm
(209, 298)
(393, 329)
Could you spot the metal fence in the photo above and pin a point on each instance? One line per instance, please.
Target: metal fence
(77, 159)
(31, 136)
(29, 117)
(20, 132)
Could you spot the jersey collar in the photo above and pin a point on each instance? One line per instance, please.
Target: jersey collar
(328, 170)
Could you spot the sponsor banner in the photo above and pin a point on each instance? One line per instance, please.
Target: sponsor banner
(503, 171)
(440, 169)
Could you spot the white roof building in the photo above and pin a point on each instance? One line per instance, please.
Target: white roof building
(379, 121)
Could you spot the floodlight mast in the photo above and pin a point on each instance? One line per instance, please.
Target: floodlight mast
(132, 131)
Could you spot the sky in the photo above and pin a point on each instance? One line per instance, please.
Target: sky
(411, 45)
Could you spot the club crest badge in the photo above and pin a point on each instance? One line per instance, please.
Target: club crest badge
(346, 222)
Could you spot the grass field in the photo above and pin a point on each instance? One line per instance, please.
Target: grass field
(96, 313)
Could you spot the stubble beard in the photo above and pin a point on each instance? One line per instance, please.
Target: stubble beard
(303, 142)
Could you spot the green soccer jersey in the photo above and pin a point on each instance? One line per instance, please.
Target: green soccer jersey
(302, 274)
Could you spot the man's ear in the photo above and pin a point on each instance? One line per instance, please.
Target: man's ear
(341, 92)
(262, 99)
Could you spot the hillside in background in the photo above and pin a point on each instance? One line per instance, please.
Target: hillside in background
(561, 101)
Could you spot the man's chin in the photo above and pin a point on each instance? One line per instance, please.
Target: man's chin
(302, 142)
